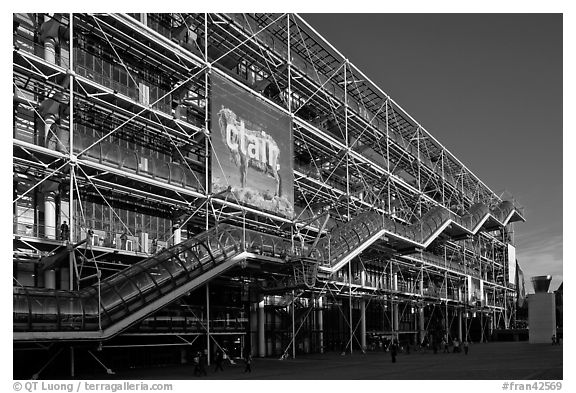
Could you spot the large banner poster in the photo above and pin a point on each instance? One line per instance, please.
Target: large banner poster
(252, 149)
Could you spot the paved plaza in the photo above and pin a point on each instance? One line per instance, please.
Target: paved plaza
(501, 360)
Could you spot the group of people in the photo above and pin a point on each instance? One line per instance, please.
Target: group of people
(456, 346)
(201, 360)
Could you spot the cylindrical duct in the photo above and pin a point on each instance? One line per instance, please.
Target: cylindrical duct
(541, 283)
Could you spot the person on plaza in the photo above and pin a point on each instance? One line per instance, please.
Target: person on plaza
(248, 361)
(445, 345)
(154, 246)
(456, 346)
(64, 231)
(393, 351)
(465, 344)
(218, 361)
(553, 339)
(196, 362)
(203, 362)
(123, 240)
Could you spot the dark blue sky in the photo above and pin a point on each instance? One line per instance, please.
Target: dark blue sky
(489, 88)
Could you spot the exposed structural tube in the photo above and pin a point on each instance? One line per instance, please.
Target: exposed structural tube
(50, 50)
(460, 325)
(50, 214)
(261, 330)
(52, 33)
(320, 325)
(363, 324)
(395, 306)
(254, 328)
(421, 325)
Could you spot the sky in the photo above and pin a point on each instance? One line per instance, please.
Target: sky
(489, 88)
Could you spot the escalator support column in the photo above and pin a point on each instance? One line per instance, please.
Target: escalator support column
(395, 321)
(254, 328)
(460, 325)
(72, 373)
(320, 322)
(208, 322)
(363, 324)
(421, 324)
(261, 332)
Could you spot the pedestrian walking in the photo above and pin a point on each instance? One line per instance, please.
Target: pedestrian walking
(248, 360)
(445, 345)
(465, 344)
(218, 361)
(196, 362)
(394, 351)
(456, 346)
(553, 339)
(203, 363)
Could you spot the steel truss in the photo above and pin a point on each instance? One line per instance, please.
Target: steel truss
(111, 112)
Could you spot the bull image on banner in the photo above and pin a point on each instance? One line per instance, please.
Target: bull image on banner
(252, 150)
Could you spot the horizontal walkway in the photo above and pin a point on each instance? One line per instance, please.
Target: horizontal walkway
(498, 360)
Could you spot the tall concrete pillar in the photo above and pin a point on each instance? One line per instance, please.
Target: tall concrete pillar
(319, 318)
(261, 331)
(50, 214)
(363, 324)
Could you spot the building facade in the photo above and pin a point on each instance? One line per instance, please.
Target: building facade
(192, 182)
